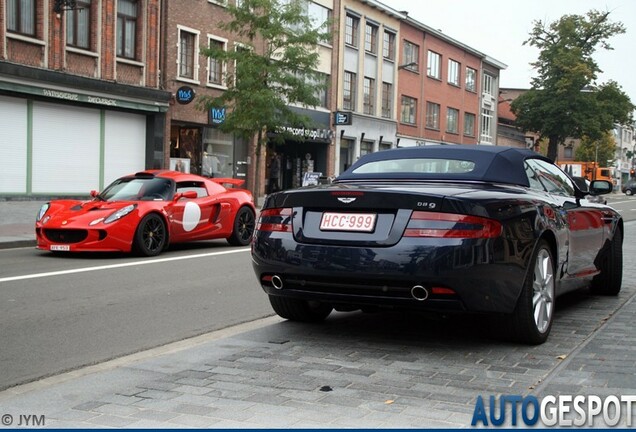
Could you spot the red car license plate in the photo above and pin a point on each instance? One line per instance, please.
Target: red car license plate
(364, 222)
(60, 248)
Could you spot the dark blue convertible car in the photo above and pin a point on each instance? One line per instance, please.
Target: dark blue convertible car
(473, 228)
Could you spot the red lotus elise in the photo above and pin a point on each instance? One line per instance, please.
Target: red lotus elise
(146, 212)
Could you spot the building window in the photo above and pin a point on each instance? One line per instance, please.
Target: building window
(388, 45)
(432, 115)
(471, 79)
(349, 97)
(409, 110)
(352, 24)
(452, 120)
(453, 72)
(322, 89)
(319, 16)
(387, 100)
(411, 56)
(21, 16)
(469, 124)
(78, 25)
(215, 66)
(488, 84)
(127, 11)
(568, 152)
(434, 65)
(369, 96)
(366, 147)
(371, 38)
(384, 146)
(486, 126)
(187, 43)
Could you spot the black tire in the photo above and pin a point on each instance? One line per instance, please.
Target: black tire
(531, 321)
(243, 229)
(628, 192)
(300, 310)
(151, 236)
(609, 281)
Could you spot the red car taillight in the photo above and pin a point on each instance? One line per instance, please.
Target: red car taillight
(448, 225)
(278, 219)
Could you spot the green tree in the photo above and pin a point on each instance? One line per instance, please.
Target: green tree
(273, 67)
(564, 99)
(601, 150)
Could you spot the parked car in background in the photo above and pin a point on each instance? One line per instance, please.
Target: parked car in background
(467, 228)
(629, 188)
(147, 211)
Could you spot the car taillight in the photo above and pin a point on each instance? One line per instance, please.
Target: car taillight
(277, 219)
(448, 225)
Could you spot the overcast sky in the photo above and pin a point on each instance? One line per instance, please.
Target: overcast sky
(498, 28)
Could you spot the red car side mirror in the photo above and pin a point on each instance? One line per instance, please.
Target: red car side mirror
(188, 194)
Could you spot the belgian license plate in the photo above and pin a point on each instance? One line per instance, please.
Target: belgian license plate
(60, 248)
(360, 222)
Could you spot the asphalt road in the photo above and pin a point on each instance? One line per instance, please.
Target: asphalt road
(60, 312)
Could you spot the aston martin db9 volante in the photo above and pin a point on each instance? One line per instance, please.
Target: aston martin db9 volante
(147, 211)
(482, 229)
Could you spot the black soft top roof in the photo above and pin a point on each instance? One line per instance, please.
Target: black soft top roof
(495, 164)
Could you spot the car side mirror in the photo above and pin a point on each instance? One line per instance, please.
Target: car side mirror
(187, 194)
(94, 193)
(601, 187)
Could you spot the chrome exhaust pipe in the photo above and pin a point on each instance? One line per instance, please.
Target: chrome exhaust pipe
(419, 293)
(277, 282)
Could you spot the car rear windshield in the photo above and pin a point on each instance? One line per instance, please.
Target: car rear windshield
(416, 165)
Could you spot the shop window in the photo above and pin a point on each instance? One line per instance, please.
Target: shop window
(366, 147)
(346, 154)
(218, 154)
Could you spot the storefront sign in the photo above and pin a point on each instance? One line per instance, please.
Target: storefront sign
(342, 118)
(310, 134)
(185, 95)
(217, 115)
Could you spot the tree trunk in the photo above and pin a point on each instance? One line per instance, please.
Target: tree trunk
(553, 147)
(257, 174)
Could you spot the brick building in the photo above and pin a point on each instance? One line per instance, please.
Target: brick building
(80, 99)
(447, 90)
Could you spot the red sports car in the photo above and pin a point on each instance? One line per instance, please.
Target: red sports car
(147, 211)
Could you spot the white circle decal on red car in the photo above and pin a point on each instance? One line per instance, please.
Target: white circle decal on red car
(191, 216)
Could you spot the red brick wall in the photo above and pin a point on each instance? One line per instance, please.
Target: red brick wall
(426, 89)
